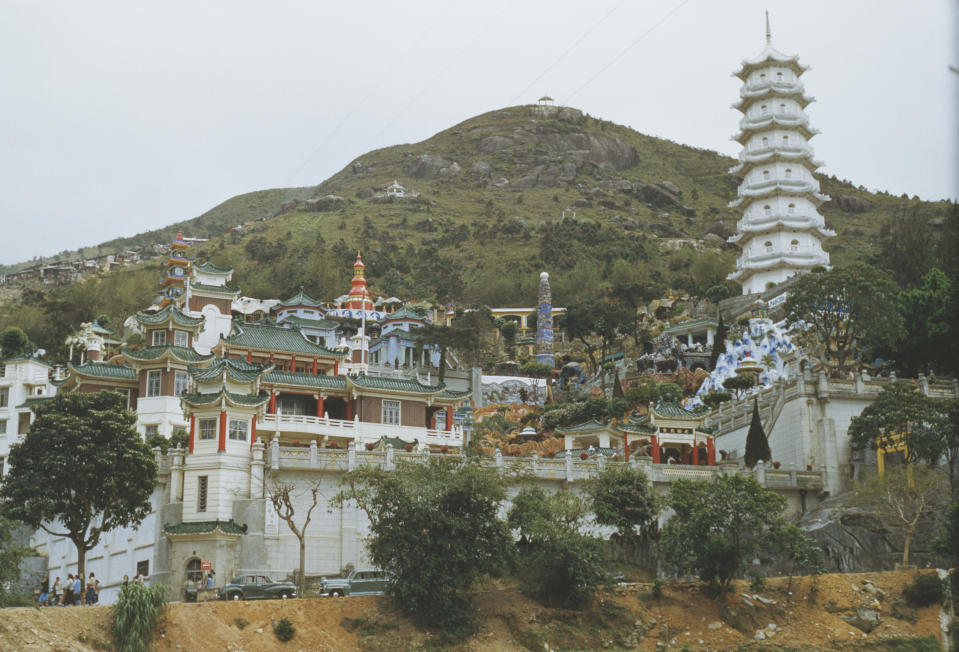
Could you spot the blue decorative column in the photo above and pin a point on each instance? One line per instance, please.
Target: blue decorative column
(544, 323)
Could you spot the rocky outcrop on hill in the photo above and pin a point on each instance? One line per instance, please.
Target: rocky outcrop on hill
(849, 204)
(429, 166)
(325, 203)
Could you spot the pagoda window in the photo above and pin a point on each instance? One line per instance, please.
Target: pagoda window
(181, 383)
(153, 382)
(3, 426)
(4, 396)
(794, 245)
(765, 142)
(789, 173)
(181, 338)
(159, 338)
(785, 140)
(764, 109)
(767, 209)
(791, 209)
(769, 246)
(238, 428)
(762, 76)
(765, 175)
(779, 76)
(391, 412)
(782, 108)
(207, 428)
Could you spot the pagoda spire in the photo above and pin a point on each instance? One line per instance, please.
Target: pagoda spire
(769, 34)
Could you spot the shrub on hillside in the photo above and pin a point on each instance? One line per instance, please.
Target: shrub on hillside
(925, 590)
(135, 616)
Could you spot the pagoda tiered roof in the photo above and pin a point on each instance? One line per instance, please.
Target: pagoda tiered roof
(404, 314)
(301, 298)
(275, 338)
(171, 314)
(235, 369)
(209, 268)
(166, 352)
(103, 370)
(306, 322)
(206, 287)
(770, 56)
(297, 379)
(394, 385)
(230, 398)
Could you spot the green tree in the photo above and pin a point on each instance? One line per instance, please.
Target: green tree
(560, 566)
(641, 393)
(901, 414)
(717, 293)
(436, 526)
(622, 497)
(846, 308)
(14, 342)
(757, 446)
(932, 313)
(718, 527)
(739, 384)
(902, 496)
(719, 342)
(670, 392)
(11, 555)
(284, 497)
(85, 446)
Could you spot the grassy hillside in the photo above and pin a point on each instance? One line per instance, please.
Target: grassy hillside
(494, 201)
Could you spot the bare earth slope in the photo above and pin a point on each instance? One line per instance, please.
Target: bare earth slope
(629, 618)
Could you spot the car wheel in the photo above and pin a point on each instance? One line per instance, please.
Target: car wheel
(236, 596)
(336, 593)
(284, 595)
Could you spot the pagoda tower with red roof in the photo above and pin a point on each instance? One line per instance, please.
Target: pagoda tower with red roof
(177, 271)
(359, 296)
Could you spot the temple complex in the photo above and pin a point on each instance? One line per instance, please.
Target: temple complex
(781, 231)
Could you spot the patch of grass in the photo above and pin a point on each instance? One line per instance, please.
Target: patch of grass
(240, 622)
(902, 611)
(367, 626)
(908, 644)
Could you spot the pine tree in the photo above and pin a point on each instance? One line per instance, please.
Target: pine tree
(719, 343)
(757, 446)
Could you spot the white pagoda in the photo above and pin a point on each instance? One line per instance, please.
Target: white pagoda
(781, 231)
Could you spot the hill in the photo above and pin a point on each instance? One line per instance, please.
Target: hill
(628, 618)
(491, 202)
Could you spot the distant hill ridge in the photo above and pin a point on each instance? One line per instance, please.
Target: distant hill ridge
(493, 190)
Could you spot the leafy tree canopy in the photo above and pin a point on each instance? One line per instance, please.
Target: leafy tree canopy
(436, 526)
(622, 497)
(847, 308)
(14, 342)
(85, 446)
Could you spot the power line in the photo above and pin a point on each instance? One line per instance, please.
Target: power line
(568, 50)
(389, 73)
(623, 53)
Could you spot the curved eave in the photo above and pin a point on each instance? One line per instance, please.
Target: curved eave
(169, 353)
(770, 56)
(411, 388)
(777, 262)
(300, 381)
(746, 98)
(778, 225)
(127, 376)
(749, 160)
(749, 196)
(231, 399)
(749, 128)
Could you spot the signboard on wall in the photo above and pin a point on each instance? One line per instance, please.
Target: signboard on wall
(206, 565)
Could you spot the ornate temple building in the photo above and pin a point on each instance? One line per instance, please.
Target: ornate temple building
(781, 231)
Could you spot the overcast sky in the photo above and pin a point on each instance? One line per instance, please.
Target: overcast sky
(119, 117)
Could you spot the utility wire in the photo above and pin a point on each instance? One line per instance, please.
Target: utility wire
(623, 53)
(389, 73)
(568, 50)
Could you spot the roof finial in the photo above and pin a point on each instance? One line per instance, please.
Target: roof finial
(769, 34)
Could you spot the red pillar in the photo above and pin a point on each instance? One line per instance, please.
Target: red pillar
(626, 446)
(684, 456)
(253, 432)
(272, 402)
(319, 406)
(655, 444)
(222, 443)
(349, 410)
(710, 452)
(271, 356)
(314, 366)
(449, 418)
(695, 454)
(336, 368)
(292, 362)
(433, 421)
(192, 430)
(249, 355)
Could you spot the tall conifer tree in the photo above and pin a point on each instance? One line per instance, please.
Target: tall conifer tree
(757, 446)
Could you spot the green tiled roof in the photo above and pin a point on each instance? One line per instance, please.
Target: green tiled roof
(452, 394)
(252, 400)
(306, 322)
(171, 312)
(674, 410)
(222, 289)
(405, 313)
(641, 428)
(156, 352)
(104, 370)
(396, 384)
(237, 369)
(590, 426)
(301, 298)
(276, 338)
(305, 380)
(22, 358)
(205, 527)
(693, 323)
(30, 401)
(210, 268)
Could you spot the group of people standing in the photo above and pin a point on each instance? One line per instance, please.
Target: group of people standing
(71, 592)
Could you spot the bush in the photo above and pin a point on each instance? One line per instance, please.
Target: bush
(657, 589)
(757, 583)
(135, 616)
(284, 629)
(925, 590)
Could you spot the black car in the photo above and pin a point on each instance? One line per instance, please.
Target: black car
(256, 587)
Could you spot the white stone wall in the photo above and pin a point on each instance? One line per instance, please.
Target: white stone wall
(161, 411)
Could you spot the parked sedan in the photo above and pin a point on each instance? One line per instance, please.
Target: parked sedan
(256, 587)
(361, 581)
